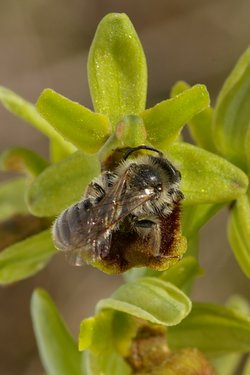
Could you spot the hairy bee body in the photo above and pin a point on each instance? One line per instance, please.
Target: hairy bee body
(124, 216)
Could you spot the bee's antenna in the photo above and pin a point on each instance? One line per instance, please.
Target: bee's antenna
(142, 147)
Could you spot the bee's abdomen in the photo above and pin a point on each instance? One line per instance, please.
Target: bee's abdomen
(67, 227)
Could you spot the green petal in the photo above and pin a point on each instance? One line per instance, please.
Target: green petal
(232, 113)
(239, 232)
(25, 258)
(80, 126)
(151, 299)
(117, 69)
(206, 177)
(22, 160)
(165, 120)
(12, 198)
(200, 126)
(109, 364)
(56, 346)
(96, 333)
(28, 112)
(215, 330)
(61, 184)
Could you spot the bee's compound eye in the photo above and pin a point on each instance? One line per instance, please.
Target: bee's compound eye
(159, 188)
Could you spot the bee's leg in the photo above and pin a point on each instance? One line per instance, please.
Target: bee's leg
(108, 179)
(94, 191)
(148, 229)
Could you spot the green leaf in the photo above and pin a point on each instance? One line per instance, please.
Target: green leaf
(151, 299)
(165, 120)
(239, 232)
(19, 159)
(62, 184)
(28, 112)
(109, 364)
(206, 177)
(12, 198)
(117, 69)
(215, 330)
(57, 348)
(232, 113)
(25, 258)
(85, 129)
(200, 126)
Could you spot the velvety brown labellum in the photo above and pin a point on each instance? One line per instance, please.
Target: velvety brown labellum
(129, 250)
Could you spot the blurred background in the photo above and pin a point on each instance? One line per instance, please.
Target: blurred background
(44, 44)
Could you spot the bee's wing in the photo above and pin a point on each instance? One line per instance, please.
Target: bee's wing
(84, 255)
(94, 239)
(114, 207)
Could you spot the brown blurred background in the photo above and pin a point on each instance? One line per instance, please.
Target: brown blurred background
(44, 44)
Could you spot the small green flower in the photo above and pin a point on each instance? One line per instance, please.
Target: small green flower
(83, 142)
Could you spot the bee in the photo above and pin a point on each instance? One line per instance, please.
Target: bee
(128, 217)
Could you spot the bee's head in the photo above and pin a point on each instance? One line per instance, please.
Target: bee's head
(145, 176)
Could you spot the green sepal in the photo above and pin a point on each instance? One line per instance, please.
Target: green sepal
(61, 184)
(206, 177)
(117, 70)
(28, 112)
(107, 364)
(22, 160)
(25, 258)
(85, 129)
(150, 299)
(232, 113)
(165, 120)
(57, 348)
(239, 232)
(215, 330)
(12, 198)
(200, 126)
